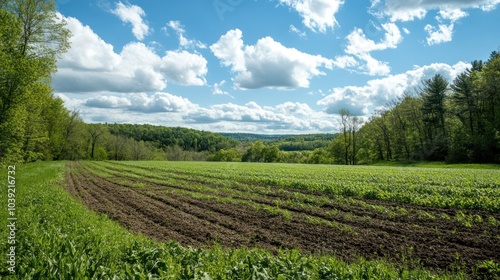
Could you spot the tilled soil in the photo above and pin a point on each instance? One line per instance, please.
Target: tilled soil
(159, 213)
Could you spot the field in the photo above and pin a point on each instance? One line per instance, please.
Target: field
(440, 218)
(267, 221)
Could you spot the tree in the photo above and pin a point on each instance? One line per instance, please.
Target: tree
(118, 147)
(258, 152)
(73, 137)
(349, 126)
(382, 124)
(465, 99)
(95, 132)
(254, 152)
(433, 109)
(31, 38)
(226, 155)
(456, 123)
(488, 85)
(344, 122)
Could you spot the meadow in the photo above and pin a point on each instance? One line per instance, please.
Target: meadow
(204, 220)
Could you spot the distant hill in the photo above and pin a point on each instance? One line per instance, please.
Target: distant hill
(285, 142)
(197, 140)
(186, 138)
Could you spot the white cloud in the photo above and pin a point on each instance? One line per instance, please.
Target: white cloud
(108, 102)
(91, 65)
(345, 61)
(185, 68)
(295, 30)
(363, 100)
(317, 15)
(160, 102)
(229, 50)
(417, 9)
(99, 57)
(295, 108)
(142, 102)
(267, 63)
(163, 108)
(286, 117)
(449, 12)
(133, 14)
(183, 41)
(444, 32)
(360, 46)
(217, 88)
(439, 35)
(374, 67)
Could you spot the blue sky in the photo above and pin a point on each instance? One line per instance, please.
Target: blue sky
(261, 66)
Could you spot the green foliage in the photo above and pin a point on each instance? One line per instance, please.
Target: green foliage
(457, 122)
(258, 152)
(186, 139)
(488, 270)
(31, 38)
(225, 155)
(306, 142)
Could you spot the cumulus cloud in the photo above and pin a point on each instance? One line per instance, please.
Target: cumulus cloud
(317, 15)
(449, 12)
(417, 9)
(363, 100)
(133, 14)
(286, 117)
(100, 57)
(160, 102)
(142, 102)
(167, 109)
(108, 102)
(360, 46)
(185, 68)
(267, 63)
(91, 65)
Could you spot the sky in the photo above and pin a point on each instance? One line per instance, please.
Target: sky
(262, 66)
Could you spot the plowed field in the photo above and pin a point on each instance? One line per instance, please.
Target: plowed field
(199, 211)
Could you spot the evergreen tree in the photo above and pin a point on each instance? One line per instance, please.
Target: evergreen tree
(434, 95)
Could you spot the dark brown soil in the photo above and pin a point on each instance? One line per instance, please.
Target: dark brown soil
(160, 213)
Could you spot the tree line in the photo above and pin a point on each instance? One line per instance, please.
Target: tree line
(33, 123)
(453, 121)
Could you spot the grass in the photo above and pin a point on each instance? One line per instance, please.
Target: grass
(58, 238)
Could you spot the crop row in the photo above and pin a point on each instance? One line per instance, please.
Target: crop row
(285, 201)
(445, 188)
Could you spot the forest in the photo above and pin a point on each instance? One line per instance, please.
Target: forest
(453, 121)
